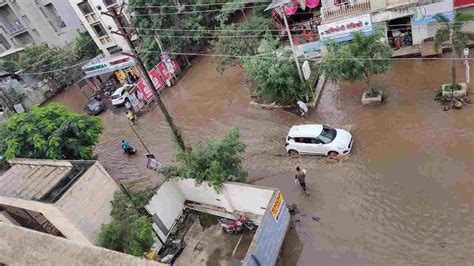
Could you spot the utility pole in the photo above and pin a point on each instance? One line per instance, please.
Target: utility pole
(112, 12)
(292, 44)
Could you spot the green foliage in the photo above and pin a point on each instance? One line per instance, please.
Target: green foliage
(230, 44)
(359, 59)
(50, 132)
(44, 59)
(276, 76)
(173, 41)
(130, 230)
(84, 45)
(215, 163)
(453, 33)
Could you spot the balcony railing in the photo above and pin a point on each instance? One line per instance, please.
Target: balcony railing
(15, 28)
(345, 9)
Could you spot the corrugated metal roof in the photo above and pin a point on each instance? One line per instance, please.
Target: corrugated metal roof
(32, 179)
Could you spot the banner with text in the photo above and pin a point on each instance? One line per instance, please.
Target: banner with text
(164, 70)
(146, 91)
(345, 27)
(156, 79)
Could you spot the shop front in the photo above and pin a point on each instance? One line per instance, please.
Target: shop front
(112, 72)
(399, 32)
(303, 17)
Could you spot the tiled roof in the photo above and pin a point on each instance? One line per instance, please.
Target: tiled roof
(32, 179)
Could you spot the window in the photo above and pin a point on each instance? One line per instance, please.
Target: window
(52, 14)
(306, 140)
(327, 135)
(85, 7)
(109, 2)
(114, 49)
(99, 30)
(4, 42)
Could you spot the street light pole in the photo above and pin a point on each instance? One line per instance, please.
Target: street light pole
(121, 31)
(292, 45)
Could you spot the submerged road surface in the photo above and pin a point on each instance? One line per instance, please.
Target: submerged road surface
(405, 195)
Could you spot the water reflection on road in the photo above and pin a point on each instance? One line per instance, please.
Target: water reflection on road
(405, 195)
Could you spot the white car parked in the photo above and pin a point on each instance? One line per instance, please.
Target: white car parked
(120, 95)
(319, 140)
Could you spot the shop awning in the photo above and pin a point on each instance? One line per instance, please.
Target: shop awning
(102, 65)
(277, 3)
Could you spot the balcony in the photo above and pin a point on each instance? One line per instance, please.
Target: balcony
(15, 29)
(345, 9)
(399, 3)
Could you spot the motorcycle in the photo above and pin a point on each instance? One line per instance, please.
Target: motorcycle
(171, 250)
(130, 151)
(236, 226)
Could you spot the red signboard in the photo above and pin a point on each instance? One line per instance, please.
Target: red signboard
(146, 91)
(164, 70)
(156, 79)
(462, 3)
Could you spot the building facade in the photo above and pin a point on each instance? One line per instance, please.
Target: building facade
(32, 22)
(406, 23)
(69, 199)
(101, 26)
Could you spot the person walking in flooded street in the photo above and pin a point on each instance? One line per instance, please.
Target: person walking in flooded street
(132, 118)
(300, 177)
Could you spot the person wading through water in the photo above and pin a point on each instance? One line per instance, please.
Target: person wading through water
(300, 176)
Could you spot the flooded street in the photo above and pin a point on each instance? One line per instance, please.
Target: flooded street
(405, 194)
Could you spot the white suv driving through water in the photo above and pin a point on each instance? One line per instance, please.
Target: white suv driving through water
(319, 140)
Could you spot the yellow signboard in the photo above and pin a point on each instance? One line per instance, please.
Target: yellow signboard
(277, 206)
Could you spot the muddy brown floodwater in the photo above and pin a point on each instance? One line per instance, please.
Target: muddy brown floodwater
(405, 194)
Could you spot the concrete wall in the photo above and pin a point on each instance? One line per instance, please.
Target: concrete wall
(20, 246)
(234, 196)
(376, 5)
(269, 237)
(203, 194)
(68, 229)
(424, 31)
(167, 204)
(87, 203)
(248, 198)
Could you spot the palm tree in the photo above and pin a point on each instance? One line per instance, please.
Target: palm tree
(451, 31)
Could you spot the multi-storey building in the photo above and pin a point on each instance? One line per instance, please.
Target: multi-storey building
(101, 26)
(40, 21)
(111, 67)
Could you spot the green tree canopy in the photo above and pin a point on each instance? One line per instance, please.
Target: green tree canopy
(276, 75)
(215, 163)
(130, 230)
(453, 33)
(179, 31)
(84, 45)
(230, 43)
(359, 59)
(50, 132)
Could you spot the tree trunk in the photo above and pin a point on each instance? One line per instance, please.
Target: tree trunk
(369, 82)
(453, 79)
